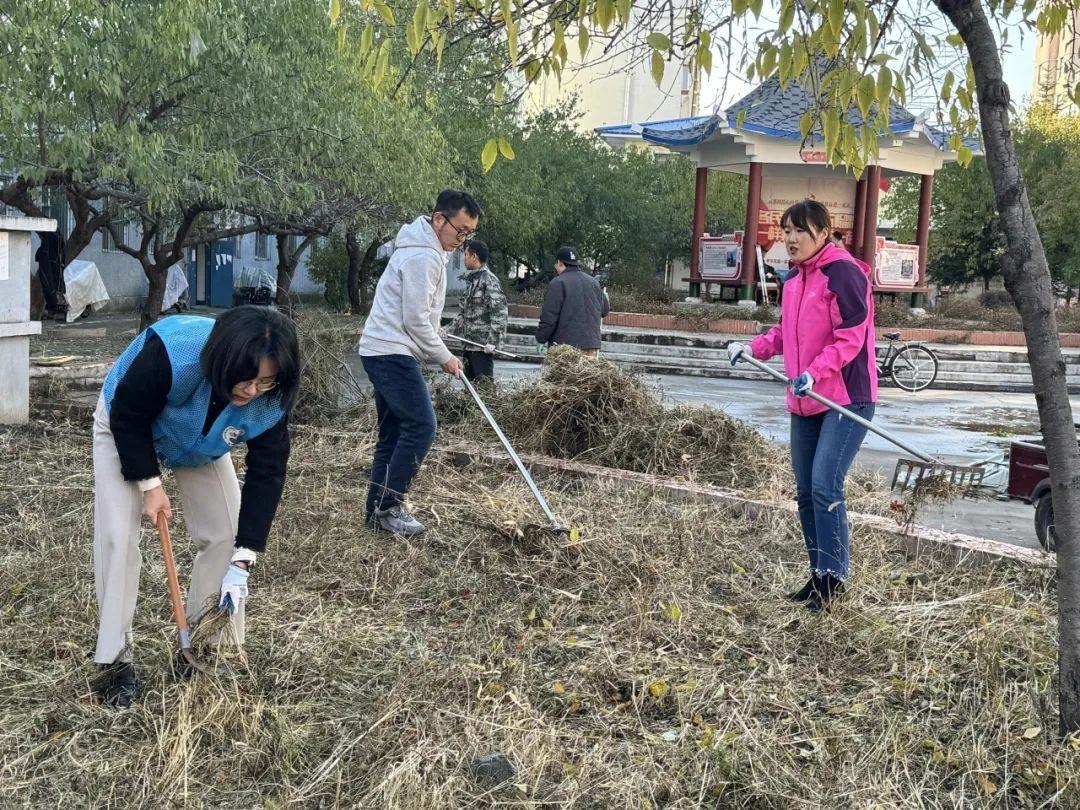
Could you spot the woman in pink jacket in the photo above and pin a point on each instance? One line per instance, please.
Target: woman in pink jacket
(826, 336)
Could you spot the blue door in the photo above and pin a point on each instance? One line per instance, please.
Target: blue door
(220, 261)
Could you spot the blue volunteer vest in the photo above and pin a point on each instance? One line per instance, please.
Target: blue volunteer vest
(178, 437)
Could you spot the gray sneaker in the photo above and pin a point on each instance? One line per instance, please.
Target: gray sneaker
(396, 520)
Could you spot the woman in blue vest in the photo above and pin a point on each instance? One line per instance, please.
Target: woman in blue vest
(181, 396)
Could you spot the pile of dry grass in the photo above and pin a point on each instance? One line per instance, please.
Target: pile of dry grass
(653, 664)
(329, 390)
(591, 410)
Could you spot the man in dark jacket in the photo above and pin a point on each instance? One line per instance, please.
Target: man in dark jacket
(574, 305)
(50, 261)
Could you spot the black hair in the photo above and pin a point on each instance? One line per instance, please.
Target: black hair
(808, 215)
(838, 236)
(478, 249)
(241, 338)
(451, 202)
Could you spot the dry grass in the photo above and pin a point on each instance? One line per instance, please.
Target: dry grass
(590, 410)
(653, 664)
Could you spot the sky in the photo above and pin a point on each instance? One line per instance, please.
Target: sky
(1018, 65)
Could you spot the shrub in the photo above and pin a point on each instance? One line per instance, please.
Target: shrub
(996, 299)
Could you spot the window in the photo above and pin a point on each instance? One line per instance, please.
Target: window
(54, 203)
(262, 246)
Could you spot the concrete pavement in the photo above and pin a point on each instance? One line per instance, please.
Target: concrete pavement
(955, 425)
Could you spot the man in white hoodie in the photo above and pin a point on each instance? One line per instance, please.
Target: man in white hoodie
(401, 333)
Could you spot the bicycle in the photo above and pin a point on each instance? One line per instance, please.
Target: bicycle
(912, 367)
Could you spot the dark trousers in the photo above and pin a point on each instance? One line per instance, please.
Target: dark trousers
(822, 449)
(51, 276)
(479, 364)
(406, 427)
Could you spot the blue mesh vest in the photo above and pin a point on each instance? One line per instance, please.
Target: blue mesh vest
(178, 437)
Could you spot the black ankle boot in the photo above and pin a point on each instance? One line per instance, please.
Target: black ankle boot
(828, 588)
(806, 591)
(116, 686)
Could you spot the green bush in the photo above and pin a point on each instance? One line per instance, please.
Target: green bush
(330, 265)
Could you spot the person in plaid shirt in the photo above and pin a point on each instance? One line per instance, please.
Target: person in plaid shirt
(483, 313)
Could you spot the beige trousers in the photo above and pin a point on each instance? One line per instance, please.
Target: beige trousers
(210, 497)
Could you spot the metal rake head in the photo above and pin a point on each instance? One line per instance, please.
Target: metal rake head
(910, 474)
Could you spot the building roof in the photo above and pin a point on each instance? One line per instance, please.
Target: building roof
(769, 110)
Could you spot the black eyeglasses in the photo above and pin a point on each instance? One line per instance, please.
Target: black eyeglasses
(462, 233)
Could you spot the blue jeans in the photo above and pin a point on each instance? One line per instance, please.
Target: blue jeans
(406, 427)
(822, 449)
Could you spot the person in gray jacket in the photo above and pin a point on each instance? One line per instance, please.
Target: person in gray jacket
(574, 306)
(400, 334)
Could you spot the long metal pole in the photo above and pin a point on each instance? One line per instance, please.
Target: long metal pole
(513, 454)
(481, 345)
(828, 403)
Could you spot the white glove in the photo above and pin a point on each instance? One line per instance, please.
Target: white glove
(489, 348)
(735, 352)
(443, 331)
(234, 589)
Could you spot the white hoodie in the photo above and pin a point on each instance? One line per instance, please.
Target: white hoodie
(409, 298)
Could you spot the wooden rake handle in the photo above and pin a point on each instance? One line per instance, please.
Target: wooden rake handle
(177, 601)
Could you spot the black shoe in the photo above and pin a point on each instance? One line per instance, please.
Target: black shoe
(828, 589)
(806, 591)
(116, 686)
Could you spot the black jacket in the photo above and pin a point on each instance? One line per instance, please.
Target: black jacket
(574, 305)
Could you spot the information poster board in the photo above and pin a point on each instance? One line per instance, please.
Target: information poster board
(895, 265)
(721, 257)
(779, 193)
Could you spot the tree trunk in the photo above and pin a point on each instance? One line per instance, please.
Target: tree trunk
(286, 269)
(1027, 278)
(352, 280)
(986, 283)
(367, 264)
(156, 275)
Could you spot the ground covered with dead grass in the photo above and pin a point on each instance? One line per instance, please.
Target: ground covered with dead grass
(655, 663)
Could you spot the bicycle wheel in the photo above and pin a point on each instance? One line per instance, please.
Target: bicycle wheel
(914, 367)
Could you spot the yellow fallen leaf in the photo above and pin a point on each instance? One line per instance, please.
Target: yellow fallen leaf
(986, 784)
(558, 688)
(1032, 733)
(658, 689)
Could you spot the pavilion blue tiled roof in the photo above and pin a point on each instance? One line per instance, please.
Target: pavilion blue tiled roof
(769, 110)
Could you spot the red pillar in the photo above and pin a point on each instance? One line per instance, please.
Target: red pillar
(701, 187)
(922, 231)
(860, 215)
(750, 240)
(869, 229)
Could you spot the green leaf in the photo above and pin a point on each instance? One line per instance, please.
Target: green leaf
(955, 40)
(704, 57)
(583, 39)
(738, 7)
(605, 13)
(836, 16)
(884, 88)
(740, 119)
(657, 68)
(419, 20)
(806, 123)
(512, 41)
(489, 155)
(624, 7)
(386, 13)
(832, 132)
(559, 45)
(341, 37)
(865, 95)
(505, 149)
(787, 16)
(500, 91)
(367, 39)
(658, 41)
(334, 11)
(947, 86)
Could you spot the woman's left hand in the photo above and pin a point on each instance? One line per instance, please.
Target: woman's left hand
(802, 384)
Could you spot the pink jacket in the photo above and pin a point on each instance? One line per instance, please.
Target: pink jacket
(826, 328)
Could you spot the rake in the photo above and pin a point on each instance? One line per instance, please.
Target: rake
(909, 472)
(468, 342)
(555, 527)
